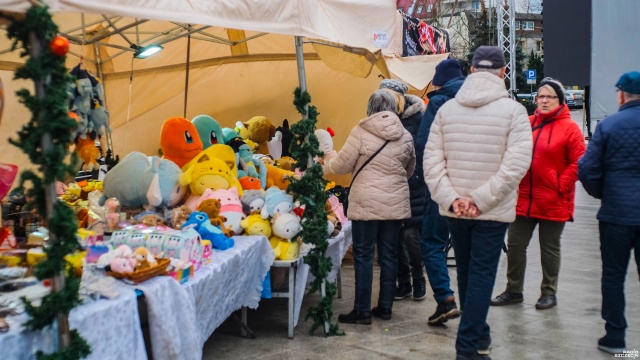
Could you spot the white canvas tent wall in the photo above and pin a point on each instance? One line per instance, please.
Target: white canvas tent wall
(230, 81)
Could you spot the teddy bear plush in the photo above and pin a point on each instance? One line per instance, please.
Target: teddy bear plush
(212, 208)
(259, 130)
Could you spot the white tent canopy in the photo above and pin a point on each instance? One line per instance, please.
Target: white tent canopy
(233, 74)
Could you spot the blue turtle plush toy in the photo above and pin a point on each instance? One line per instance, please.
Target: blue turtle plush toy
(201, 223)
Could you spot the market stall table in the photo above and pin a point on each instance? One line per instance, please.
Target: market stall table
(181, 317)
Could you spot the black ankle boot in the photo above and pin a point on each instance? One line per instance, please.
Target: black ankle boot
(382, 313)
(356, 317)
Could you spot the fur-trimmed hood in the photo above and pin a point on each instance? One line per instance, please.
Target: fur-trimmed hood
(413, 105)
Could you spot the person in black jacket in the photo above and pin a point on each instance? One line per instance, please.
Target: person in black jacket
(435, 232)
(409, 255)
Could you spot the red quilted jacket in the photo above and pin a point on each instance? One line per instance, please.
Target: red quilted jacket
(548, 189)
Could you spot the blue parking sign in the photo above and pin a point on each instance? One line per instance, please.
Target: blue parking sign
(531, 74)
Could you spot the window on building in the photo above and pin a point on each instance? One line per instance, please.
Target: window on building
(419, 11)
(429, 7)
(517, 25)
(528, 25)
(475, 5)
(538, 46)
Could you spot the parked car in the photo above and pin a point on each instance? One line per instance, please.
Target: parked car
(575, 98)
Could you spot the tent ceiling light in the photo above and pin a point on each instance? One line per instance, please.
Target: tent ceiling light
(143, 52)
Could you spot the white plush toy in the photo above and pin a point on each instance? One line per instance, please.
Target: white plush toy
(285, 228)
(325, 141)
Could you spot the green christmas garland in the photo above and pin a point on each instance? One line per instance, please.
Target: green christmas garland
(309, 190)
(49, 119)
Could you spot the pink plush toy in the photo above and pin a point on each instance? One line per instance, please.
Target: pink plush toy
(122, 265)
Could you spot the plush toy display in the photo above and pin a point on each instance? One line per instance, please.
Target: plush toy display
(249, 183)
(276, 202)
(231, 208)
(275, 146)
(139, 180)
(214, 168)
(253, 201)
(286, 163)
(200, 222)
(285, 227)
(259, 130)
(179, 216)
(88, 152)
(228, 134)
(325, 141)
(87, 102)
(209, 130)
(248, 165)
(278, 177)
(256, 225)
(287, 137)
(212, 207)
(179, 141)
(342, 194)
(143, 259)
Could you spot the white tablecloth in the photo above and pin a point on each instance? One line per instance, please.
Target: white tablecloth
(338, 247)
(181, 317)
(111, 327)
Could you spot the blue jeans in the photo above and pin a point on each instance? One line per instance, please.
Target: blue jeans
(477, 244)
(616, 242)
(366, 235)
(434, 237)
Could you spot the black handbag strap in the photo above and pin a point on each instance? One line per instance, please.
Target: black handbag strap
(368, 161)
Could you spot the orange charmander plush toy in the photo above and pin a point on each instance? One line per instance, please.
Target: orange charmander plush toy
(179, 141)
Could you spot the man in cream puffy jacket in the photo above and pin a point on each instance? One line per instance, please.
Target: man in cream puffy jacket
(479, 149)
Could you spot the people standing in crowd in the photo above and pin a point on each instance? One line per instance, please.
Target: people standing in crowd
(609, 171)
(379, 154)
(478, 150)
(434, 235)
(546, 195)
(410, 265)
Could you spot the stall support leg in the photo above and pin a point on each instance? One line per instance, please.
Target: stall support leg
(292, 294)
(339, 283)
(323, 293)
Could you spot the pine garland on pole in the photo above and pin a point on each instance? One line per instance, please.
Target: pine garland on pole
(309, 190)
(46, 139)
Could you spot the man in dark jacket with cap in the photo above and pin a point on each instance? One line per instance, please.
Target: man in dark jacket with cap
(609, 171)
(434, 235)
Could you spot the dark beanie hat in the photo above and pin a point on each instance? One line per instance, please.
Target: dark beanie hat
(557, 87)
(446, 70)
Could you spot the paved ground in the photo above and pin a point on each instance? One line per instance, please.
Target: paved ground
(569, 331)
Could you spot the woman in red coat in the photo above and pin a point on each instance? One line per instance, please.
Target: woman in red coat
(546, 195)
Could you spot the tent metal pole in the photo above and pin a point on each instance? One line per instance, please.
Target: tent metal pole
(60, 325)
(104, 87)
(302, 76)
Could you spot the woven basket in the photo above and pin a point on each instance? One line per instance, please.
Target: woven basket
(146, 274)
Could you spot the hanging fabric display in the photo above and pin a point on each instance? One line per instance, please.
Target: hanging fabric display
(420, 38)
